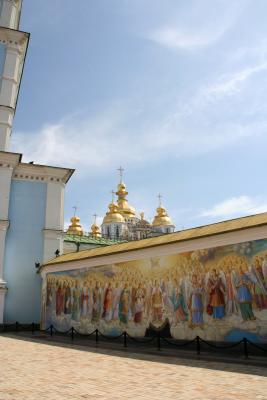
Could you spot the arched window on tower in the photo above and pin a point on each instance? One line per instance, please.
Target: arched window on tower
(108, 232)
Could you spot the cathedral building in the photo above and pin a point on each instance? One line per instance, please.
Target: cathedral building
(31, 195)
(120, 224)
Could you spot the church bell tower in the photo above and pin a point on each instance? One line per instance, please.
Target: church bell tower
(13, 48)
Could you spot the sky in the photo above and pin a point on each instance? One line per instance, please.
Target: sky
(172, 91)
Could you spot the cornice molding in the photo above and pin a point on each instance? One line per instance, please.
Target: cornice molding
(14, 40)
(9, 160)
(42, 173)
(4, 225)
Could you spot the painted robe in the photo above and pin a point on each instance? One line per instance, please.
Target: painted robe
(124, 306)
(97, 307)
(139, 305)
(107, 306)
(196, 305)
(216, 300)
(157, 304)
(244, 296)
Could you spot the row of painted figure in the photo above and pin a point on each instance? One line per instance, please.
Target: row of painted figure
(127, 297)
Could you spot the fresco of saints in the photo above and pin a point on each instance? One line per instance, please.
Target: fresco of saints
(76, 302)
(157, 303)
(196, 302)
(107, 306)
(85, 300)
(139, 304)
(216, 290)
(59, 299)
(116, 301)
(179, 304)
(259, 287)
(67, 302)
(243, 285)
(124, 305)
(49, 293)
(231, 307)
(97, 306)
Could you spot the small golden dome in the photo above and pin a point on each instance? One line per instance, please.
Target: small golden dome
(95, 231)
(162, 218)
(123, 206)
(113, 215)
(75, 228)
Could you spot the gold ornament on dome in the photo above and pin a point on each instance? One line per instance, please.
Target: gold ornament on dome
(113, 215)
(75, 228)
(123, 206)
(162, 218)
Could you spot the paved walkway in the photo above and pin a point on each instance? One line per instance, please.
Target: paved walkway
(32, 370)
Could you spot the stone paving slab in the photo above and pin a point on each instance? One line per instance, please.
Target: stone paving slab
(32, 370)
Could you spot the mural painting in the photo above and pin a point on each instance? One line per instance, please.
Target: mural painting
(219, 294)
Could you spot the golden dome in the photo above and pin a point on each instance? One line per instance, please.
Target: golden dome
(162, 218)
(113, 215)
(95, 231)
(75, 228)
(124, 208)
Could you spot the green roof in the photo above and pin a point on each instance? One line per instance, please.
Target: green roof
(90, 240)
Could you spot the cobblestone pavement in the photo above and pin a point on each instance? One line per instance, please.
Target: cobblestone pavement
(32, 370)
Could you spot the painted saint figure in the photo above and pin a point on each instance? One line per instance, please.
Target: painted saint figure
(107, 306)
(196, 302)
(97, 297)
(124, 306)
(157, 303)
(216, 295)
(244, 296)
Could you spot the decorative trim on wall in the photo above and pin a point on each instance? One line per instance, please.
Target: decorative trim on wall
(42, 173)
(162, 250)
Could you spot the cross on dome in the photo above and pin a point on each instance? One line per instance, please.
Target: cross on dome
(75, 208)
(113, 194)
(95, 217)
(121, 170)
(160, 199)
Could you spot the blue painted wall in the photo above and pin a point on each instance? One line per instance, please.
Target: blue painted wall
(2, 58)
(24, 246)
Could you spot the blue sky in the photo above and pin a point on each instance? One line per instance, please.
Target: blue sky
(174, 91)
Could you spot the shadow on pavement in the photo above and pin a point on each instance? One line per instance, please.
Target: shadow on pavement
(235, 363)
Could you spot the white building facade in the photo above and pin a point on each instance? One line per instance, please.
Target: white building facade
(31, 195)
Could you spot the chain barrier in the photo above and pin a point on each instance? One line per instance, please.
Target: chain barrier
(33, 327)
(178, 344)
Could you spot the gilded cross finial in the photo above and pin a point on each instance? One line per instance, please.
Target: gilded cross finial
(95, 217)
(75, 210)
(160, 199)
(113, 194)
(121, 170)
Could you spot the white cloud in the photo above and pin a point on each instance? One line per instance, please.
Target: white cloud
(114, 138)
(235, 206)
(230, 84)
(175, 38)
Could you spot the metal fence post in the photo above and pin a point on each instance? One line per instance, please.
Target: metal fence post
(245, 341)
(96, 336)
(33, 328)
(72, 333)
(51, 330)
(17, 326)
(198, 345)
(125, 339)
